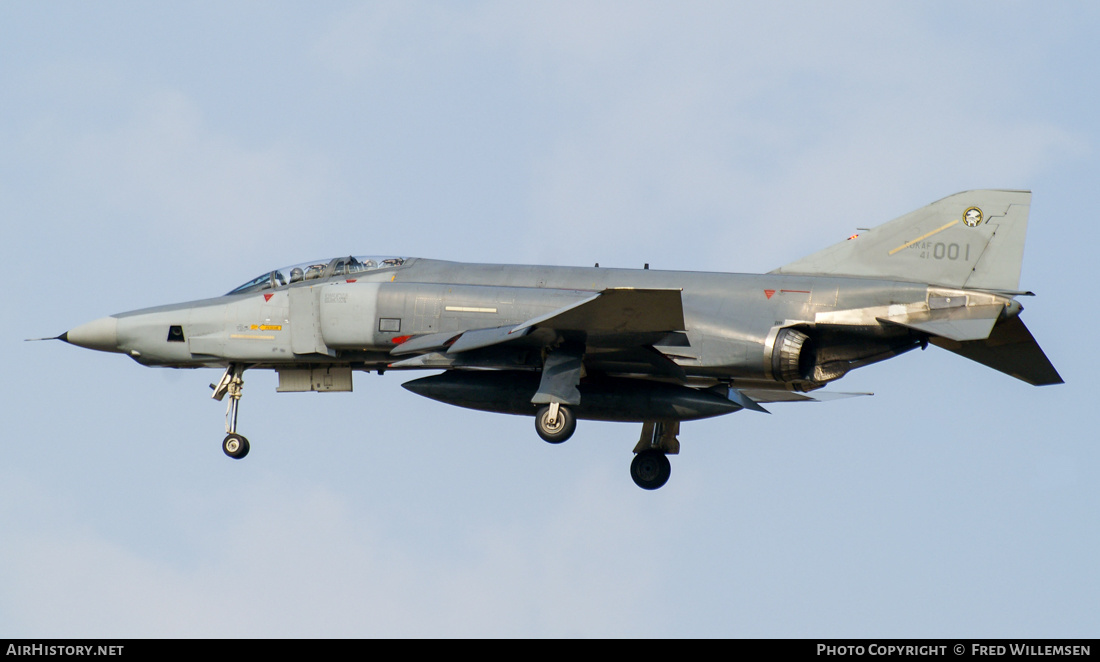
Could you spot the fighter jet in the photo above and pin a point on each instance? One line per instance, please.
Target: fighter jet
(633, 345)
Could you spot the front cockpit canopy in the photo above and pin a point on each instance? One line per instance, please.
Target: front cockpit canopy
(340, 266)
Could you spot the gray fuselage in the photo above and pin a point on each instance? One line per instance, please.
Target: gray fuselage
(731, 320)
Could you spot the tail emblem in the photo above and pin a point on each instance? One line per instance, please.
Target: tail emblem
(972, 217)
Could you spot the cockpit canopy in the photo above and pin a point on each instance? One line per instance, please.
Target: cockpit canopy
(340, 266)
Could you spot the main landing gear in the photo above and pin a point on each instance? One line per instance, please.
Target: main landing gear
(555, 423)
(231, 384)
(650, 468)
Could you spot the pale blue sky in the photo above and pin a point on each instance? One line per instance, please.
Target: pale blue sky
(156, 153)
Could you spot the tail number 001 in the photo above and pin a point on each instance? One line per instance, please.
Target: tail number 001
(940, 251)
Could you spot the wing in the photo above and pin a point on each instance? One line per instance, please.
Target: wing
(620, 311)
(617, 324)
(616, 318)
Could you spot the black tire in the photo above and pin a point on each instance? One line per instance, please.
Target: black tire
(565, 427)
(235, 446)
(650, 470)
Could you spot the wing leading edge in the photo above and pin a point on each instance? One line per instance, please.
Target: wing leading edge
(615, 317)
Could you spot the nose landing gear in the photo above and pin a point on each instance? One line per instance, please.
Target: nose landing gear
(234, 445)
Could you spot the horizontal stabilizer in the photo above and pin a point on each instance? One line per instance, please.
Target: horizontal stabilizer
(1010, 349)
(961, 323)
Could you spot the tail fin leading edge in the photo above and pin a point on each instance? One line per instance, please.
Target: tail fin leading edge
(973, 239)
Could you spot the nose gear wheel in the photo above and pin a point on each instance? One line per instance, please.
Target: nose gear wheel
(235, 446)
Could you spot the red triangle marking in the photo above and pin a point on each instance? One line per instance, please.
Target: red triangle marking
(267, 297)
(769, 293)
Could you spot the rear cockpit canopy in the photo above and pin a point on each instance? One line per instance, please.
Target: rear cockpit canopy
(318, 270)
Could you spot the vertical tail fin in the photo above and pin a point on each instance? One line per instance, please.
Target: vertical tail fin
(973, 239)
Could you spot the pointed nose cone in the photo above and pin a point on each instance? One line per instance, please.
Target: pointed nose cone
(101, 334)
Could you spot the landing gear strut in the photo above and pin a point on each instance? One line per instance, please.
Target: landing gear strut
(231, 384)
(555, 423)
